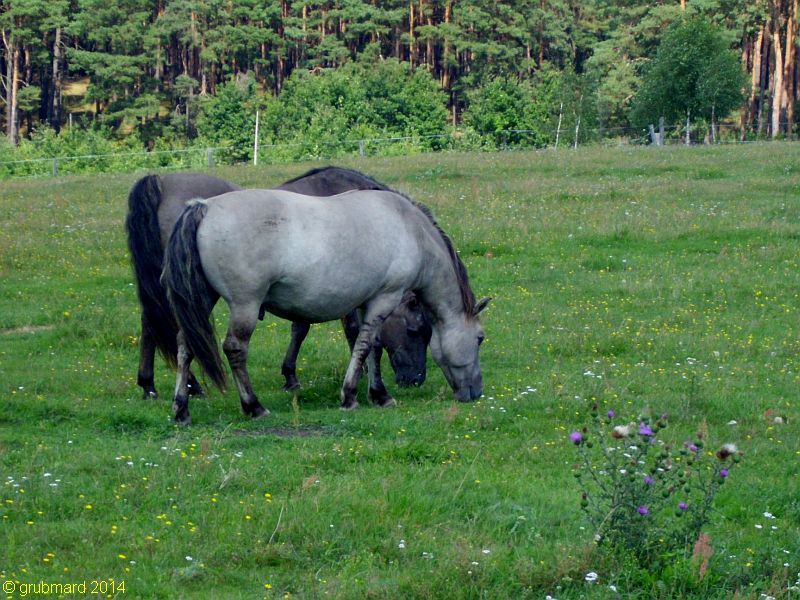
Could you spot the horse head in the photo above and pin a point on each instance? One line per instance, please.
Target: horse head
(405, 335)
(454, 345)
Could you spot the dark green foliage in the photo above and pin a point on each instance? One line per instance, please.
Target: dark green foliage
(327, 112)
(227, 120)
(526, 113)
(141, 68)
(694, 74)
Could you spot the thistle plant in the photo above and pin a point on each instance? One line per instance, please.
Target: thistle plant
(643, 495)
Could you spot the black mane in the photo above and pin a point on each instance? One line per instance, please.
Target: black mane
(467, 295)
(345, 172)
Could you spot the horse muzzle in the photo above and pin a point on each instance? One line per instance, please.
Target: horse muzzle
(414, 380)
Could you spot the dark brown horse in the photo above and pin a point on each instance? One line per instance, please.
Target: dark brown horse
(154, 205)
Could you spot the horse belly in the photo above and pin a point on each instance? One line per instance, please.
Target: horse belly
(312, 302)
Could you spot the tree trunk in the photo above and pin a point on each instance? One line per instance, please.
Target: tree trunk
(412, 46)
(749, 115)
(541, 36)
(54, 116)
(12, 110)
(777, 80)
(763, 77)
(788, 97)
(446, 50)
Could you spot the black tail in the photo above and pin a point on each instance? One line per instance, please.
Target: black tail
(191, 296)
(147, 256)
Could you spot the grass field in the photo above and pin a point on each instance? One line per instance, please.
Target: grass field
(662, 280)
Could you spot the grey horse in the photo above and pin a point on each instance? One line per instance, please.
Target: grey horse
(309, 259)
(154, 204)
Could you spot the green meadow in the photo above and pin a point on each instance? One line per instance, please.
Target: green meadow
(641, 280)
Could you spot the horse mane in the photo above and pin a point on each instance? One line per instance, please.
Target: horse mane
(377, 185)
(467, 295)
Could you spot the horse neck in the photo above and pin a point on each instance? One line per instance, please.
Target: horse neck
(440, 291)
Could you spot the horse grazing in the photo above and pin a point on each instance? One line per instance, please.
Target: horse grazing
(309, 259)
(154, 204)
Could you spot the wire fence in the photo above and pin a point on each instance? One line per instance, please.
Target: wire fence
(327, 149)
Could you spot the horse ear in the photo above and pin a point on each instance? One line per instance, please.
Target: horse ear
(481, 306)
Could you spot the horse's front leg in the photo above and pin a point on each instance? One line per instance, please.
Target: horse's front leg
(180, 403)
(375, 314)
(289, 367)
(147, 354)
(237, 343)
(377, 391)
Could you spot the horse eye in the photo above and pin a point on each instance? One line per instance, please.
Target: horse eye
(480, 339)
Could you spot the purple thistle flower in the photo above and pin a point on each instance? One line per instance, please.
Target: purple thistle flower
(691, 447)
(642, 510)
(644, 430)
(683, 506)
(723, 472)
(576, 438)
(648, 480)
(611, 414)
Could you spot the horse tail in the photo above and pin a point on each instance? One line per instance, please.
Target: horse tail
(190, 294)
(147, 256)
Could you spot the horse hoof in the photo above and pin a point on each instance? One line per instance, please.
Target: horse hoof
(387, 403)
(350, 405)
(259, 412)
(291, 386)
(183, 421)
(180, 408)
(150, 395)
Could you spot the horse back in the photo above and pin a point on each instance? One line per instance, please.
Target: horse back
(327, 256)
(178, 188)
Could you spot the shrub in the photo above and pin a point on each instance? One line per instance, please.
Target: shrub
(642, 495)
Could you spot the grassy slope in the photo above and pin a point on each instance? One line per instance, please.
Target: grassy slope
(670, 274)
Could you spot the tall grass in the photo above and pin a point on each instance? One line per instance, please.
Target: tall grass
(662, 280)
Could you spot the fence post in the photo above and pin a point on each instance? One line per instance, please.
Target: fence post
(661, 131)
(210, 157)
(361, 148)
(577, 129)
(55, 167)
(687, 128)
(255, 143)
(558, 128)
(653, 138)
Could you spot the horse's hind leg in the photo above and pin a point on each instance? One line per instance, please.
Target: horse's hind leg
(237, 342)
(195, 389)
(351, 323)
(147, 354)
(289, 367)
(180, 404)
